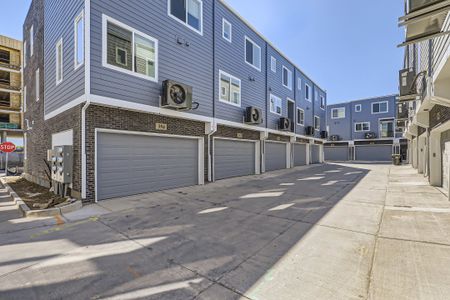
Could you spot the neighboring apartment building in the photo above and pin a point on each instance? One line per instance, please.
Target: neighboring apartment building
(363, 130)
(425, 88)
(10, 88)
(105, 66)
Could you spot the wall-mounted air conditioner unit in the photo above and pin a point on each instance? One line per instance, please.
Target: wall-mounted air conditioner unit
(370, 135)
(176, 95)
(284, 124)
(324, 134)
(309, 130)
(253, 115)
(334, 138)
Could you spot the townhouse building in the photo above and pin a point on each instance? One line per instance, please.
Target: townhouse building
(364, 130)
(153, 95)
(424, 88)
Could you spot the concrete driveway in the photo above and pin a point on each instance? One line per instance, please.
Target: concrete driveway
(306, 233)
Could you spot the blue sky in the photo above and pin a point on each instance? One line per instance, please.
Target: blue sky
(348, 47)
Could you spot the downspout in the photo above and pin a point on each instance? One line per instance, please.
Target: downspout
(212, 126)
(263, 136)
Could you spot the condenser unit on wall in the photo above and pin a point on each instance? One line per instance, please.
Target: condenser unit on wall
(324, 134)
(284, 124)
(253, 115)
(406, 77)
(334, 138)
(176, 95)
(370, 136)
(309, 130)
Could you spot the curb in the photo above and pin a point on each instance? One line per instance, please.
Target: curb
(51, 212)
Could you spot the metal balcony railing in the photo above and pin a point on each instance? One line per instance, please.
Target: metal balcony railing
(9, 87)
(9, 66)
(4, 125)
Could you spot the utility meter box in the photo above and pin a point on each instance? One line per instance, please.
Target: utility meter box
(62, 164)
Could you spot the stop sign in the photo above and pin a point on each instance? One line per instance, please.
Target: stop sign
(7, 147)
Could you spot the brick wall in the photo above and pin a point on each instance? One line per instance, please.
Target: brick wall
(281, 138)
(237, 133)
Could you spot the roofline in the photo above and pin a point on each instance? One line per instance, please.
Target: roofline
(232, 10)
(363, 99)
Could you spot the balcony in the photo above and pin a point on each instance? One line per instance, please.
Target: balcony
(12, 126)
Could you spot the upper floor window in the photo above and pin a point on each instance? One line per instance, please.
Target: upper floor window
(128, 50)
(5, 78)
(386, 128)
(287, 78)
(322, 102)
(338, 113)
(59, 62)
(230, 89)
(188, 12)
(5, 98)
(37, 85)
(362, 126)
(31, 40)
(316, 123)
(358, 108)
(226, 30)
(299, 84)
(273, 64)
(79, 40)
(300, 117)
(24, 54)
(252, 54)
(275, 105)
(379, 107)
(307, 92)
(5, 56)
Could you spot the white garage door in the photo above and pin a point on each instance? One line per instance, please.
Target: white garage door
(300, 155)
(233, 158)
(445, 166)
(130, 164)
(375, 153)
(275, 156)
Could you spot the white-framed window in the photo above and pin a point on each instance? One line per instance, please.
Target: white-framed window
(380, 107)
(24, 99)
(273, 64)
(31, 40)
(307, 92)
(322, 102)
(316, 123)
(358, 108)
(276, 105)
(362, 126)
(300, 116)
(25, 54)
(338, 113)
(129, 51)
(252, 54)
(59, 61)
(230, 89)
(299, 84)
(36, 82)
(387, 128)
(79, 40)
(227, 30)
(187, 12)
(287, 78)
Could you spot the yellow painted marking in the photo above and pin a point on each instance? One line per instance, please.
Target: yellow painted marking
(59, 220)
(62, 227)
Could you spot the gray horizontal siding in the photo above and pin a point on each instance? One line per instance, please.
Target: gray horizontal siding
(59, 23)
(441, 45)
(190, 65)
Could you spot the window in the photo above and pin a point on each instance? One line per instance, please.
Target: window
(338, 113)
(273, 64)
(379, 107)
(24, 99)
(188, 12)
(59, 62)
(307, 92)
(252, 54)
(5, 99)
(79, 40)
(322, 102)
(37, 85)
(5, 56)
(4, 118)
(387, 128)
(362, 126)
(300, 117)
(358, 108)
(5, 78)
(24, 54)
(230, 89)
(275, 105)
(129, 51)
(299, 84)
(31, 40)
(316, 123)
(287, 78)
(226, 30)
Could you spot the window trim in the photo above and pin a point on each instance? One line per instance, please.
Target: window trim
(37, 76)
(335, 108)
(309, 92)
(24, 96)
(25, 54)
(225, 21)
(105, 20)
(31, 40)
(78, 18)
(362, 126)
(316, 118)
(298, 123)
(220, 89)
(282, 78)
(299, 83)
(273, 63)
(322, 100)
(61, 63)
(281, 106)
(381, 112)
(360, 108)
(246, 38)
(186, 23)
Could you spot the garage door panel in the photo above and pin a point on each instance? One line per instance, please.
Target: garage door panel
(315, 154)
(299, 155)
(275, 156)
(336, 153)
(234, 158)
(134, 164)
(374, 153)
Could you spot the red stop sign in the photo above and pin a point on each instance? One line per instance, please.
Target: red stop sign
(7, 147)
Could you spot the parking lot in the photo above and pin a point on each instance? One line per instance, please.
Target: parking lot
(318, 232)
